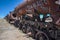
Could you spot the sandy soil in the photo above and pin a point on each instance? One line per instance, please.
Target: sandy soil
(9, 32)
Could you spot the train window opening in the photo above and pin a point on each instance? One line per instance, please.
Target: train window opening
(41, 16)
(48, 18)
(48, 15)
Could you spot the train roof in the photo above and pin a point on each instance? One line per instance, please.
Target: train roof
(25, 3)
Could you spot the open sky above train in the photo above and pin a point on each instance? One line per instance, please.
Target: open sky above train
(8, 5)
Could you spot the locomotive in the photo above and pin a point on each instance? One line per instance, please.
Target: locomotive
(37, 18)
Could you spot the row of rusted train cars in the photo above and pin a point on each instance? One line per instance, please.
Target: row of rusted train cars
(37, 18)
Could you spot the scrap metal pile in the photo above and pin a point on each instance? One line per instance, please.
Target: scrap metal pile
(40, 19)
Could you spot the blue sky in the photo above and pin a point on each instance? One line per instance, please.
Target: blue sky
(8, 5)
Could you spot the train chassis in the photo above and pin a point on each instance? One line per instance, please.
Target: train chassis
(37, 30)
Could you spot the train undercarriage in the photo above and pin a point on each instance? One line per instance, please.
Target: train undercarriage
(38, 29)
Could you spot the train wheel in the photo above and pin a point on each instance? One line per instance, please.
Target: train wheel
(28, 31)
(16, 23)
(24, 29)
(31, 31)
(20, 26)
(41, 36)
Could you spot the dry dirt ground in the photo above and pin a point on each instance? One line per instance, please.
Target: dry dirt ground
(9, 32)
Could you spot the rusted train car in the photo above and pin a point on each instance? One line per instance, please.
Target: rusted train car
(40, 19)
